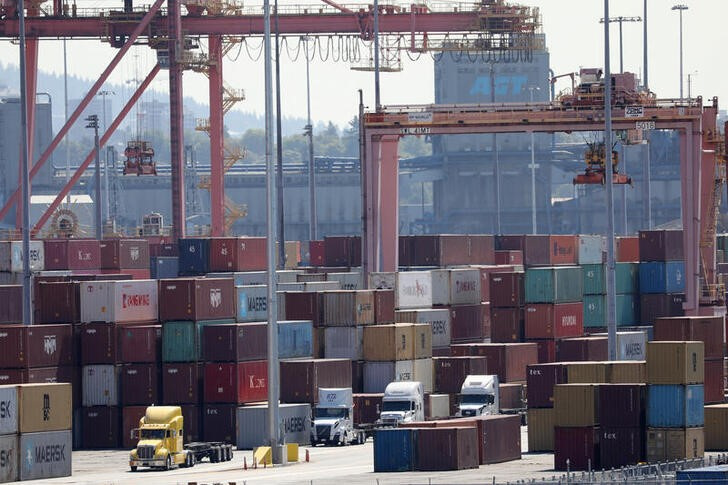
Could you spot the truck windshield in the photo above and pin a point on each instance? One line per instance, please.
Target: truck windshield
(396, 406)
(477, 399)
(322, 413)
(151, 434)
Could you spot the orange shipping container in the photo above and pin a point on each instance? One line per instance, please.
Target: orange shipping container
(628, 249)
(389, 342)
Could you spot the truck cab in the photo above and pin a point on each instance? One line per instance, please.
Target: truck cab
(161, 440)
(479, 396)
(333, 421)
(403, 402)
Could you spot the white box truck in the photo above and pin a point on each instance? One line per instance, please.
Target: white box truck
(479, 396)
(333, 421)
(403, 402)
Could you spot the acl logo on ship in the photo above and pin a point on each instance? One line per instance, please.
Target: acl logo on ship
(215, 297)
(134, 253)
(129, 301)
(49, 344)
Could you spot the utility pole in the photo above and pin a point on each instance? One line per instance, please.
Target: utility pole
(93, 123)
(680, 8)
(279, 153)
(621, 20)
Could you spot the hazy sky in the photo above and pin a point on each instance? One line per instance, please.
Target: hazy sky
(573, 34)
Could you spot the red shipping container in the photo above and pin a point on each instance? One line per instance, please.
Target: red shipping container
(622, 405)
(304, 305)
(501, 438)
(237, 254)
(219, 422)
(546, 350)
(130, 416)
(506, 289)
(316, 253)
(76, 254)
(710, 330)
(383, 306)
(192, 419)
(554, 320)
(124, 253)
(182, 383)
(98, 343)
(482, 249)
(620, 446)
(441, 449)
(357, 373)
(239, 383)
(545, 249)
(100, 427)
(507, 325)
(512, 395)
(582, 349)
(367, 408)
(344, 251)
(235, 342)
(58, 302)
(469, 322)
(139, 384)
(578, 445)
(406, 250)
(163, 249)
(33, 346)
(139, 343)
(540, 382)
(485, 272)
(509, 257)
(11, 311)
(508, 361)
(196, 299)
(714, 381)
(301, 379)
(450, 372)
(628, 249)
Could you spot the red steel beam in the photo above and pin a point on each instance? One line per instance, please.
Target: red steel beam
(84, 103)
(91, 156)
(217, 181)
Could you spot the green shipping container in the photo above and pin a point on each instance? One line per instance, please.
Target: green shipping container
(182, 341)
(595, 310)
(722, 241)
(594, 279)
(555, 284)
(627, 278)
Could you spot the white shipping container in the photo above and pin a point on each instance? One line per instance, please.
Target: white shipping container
(9, 454)
(438, 318)
(439, 406)
(11, 256)
(45, 455)
(414, 289)
(100, 385)
(251, 303)
(440, 287)
(630, 345)
(465, 286)
(8, 410)
(347, 281)
(424, 373)
(591, 249)
(382, 281)
(344, 343)
(378, 374)
(252, 424)
(119, 301)
(310, 286)
(287, 275)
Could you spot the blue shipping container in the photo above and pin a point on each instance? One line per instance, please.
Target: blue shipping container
(194, 256)
(710, 475)
(394, 449)
(662, 277)
(675, 406)
(164, 267)
(295, 339)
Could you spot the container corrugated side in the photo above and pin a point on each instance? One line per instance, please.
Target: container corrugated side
(44, 407)
(414, 289)
(594, 279)
(675, 406)
(675, 362)
(439, 320)
(344, 343)
(347, 281)
(295, 339)
(100, 385)
(591, 249)
(8, 409)
(9, 455)
(541, 429)
(45, 455)
(378, 374)
(395, 450)
(716, 423)
(662, 277)
(554, 284)
(669, 444)
(252, 429)
(11, 256)
(424, 373)
(251, 303)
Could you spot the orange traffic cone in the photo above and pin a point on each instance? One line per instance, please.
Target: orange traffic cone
(307, 455)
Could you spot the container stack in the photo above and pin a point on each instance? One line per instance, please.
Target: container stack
(576, 430)
(507, 294)
(163, 260)
(675, 416)
(125, 256)
(595, 295)
(662, 275)
(80, 256)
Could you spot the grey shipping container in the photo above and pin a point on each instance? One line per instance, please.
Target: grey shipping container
(252, 424)
(344, 342)
(439, 320)
(45, 455)
(8, 458)
(378, 374)
(100, 385)
(8, 411)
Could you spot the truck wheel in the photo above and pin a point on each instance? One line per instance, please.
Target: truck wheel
(193, 459)
(133, 468)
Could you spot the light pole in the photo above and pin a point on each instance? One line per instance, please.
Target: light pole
(93, 123)
(690, 76)
(308, 131)
(103, 95)
(621, 20)
(533, 171)
(680, 8)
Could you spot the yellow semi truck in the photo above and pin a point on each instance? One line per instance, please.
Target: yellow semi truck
(161, 442)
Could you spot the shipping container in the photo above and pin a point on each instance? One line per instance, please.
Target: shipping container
(59, 302)
(99, 343)
(348, 308)
(511, 396)
(627, 278)
(182, 383)
(12, 309)
(8, 412)
(140, 384)
(395, 450)
(514, 257)
(450, 372)
(546, 320)
(506, 325)
(130, 416)
(709, 475)
(675, 363)
(670, 444)
(441, 449)
(295, 339)
(75, 254)
(622, 405)
(437, 406)
(367, 407)
(44, 407)
(716, 427)
(630, 345)
(252, 425)
(219, 422)
(194, 256)
(100, 384)
(595, 310)
(384, 306)
(251, 303)
(546, 350)
(101, 427)
(508, 361)
(591, 249)
(553, 285)
(182, 341)
(140, 344)
(424, 373)
(507, 289)
(595, 282)
(347, 281)
(456, 287)
(675, 406)
(452, 249)
(543, 249)
(235, 342)
(576, 405)
(316, 253)
(540, 382)
(164, 267)
(714, 385)
(470, 322)
(45, 455)
(660, 245)
(627, 249)
(577, 445)
(540, 429)
(301, 379)
(439, 320)
(662, 277)
(709, 330)
(124, 253)
(342, 251)
(301, 305)
(620, 446)
(196, 299)
(582, 349)
(389, 342)
(35, 346)
(413, 289)
(9, 464)
(377, 375)
(344, 343)
(11, 256)
(660, 305)
(586, 372)
(236, 383)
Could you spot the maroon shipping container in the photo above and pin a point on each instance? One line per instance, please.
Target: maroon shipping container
(357, 372)
(367, 408)
(304, 305)
(237, 254)
(383, 306)
(543, 249)
(622, 405)
(182, 383)
(11, 311)
(654, 306)
(342, 251)
(239, 383)
(509, 361)
(139, 384)
(506, 289)
(98, 343)
(196, 299)
(441, 449)
(554, 320)
(578, 445)
(620, 446)
(452, 249)
(24, 347)
(405, 248)
(540, 382)
(130, 416)
(219, 422)
(469, 322)
(124, 253)
(709, 330)
(139, 343)
(660, 246)
(509, 257)
(485, 272)
(192, 420)
(301, 379)
(450, 372)
(582, 349)
(163, 250)
(506, 325)
(58, 302)
(512, 395)
(316, 253)
(235, 342)
(100, 427)
(714, 381)
(501, 436)
(546, 350)
(82, 254)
